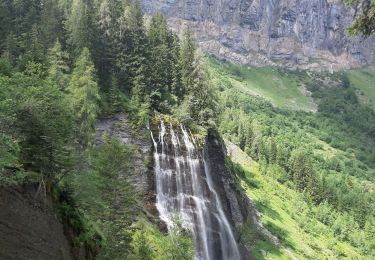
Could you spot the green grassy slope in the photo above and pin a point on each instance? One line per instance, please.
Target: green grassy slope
(281, 88)
(286, 89)
(285, 213)
(311, 175)
(364, 81)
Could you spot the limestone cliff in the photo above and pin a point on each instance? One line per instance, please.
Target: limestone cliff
(305, 34)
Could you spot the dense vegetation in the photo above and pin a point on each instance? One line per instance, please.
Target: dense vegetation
(327, 156)
(65, 63)
(365, 20)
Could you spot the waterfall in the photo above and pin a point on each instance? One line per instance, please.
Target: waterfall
(185, 189)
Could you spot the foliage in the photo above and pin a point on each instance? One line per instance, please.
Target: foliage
(101, 192)
(365, 21)
(150, 243)
(305, 230)
(326, 156)
(58, 68)
(37, 124)
(84, 95)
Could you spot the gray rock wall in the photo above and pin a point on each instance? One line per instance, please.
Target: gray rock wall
(305, 34)
(141, 177)
(236, 205)
(29, 227)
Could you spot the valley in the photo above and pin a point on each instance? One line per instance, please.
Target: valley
(205, 130)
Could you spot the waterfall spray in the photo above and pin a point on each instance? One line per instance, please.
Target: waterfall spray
(184, 187)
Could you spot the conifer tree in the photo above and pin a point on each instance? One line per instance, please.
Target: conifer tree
(131, 47)
(175, 72)
(50, 22)
(80, 25)
(202, 99)
(161, 71)
(187, 60)
(114, 95)
(58, 69)
(85, 96)
(104, 58)
(34, 49)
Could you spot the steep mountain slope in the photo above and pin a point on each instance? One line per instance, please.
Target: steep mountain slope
(283, 88)
(305, 34)
(308, 172)
(364, 81)
(294, 223)
(290, 89)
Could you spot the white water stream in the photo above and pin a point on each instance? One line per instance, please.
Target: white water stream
(185, 188)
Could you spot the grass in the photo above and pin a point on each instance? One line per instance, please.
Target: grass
(285, 213)
(364, 80)
(283, 89)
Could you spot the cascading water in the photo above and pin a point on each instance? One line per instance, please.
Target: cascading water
(184, 188)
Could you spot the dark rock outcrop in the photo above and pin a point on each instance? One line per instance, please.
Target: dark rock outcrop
(119, 126)
(141, 177)
(236, 204)
(305, 34)
(29, 227)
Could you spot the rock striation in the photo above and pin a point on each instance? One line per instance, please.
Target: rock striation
(306, 34)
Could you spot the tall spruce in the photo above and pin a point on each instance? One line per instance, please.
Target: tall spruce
(159, 59)
(202, 97)
(84, 94)
(80, 25)
(131, 48)
(175, 73)
(108, 17)
(57, 66)
(187, 60)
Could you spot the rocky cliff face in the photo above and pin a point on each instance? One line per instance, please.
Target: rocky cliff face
(238, 206)
(305, 34)
(171, 171)
(29, 227)
(235, 203)
(142, 178)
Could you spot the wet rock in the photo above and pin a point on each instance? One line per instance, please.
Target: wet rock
(234, 201)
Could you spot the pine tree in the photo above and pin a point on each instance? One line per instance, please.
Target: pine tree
(202, 99)
(34, 49)
(85, 96)
(302, 169)
(174, 57)
(138, 92)
(114, 96)
(187, 60)
(51, 21)
(161, 72)
(131, 47)
(104, 58)
(80, 25)
(58, 69)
